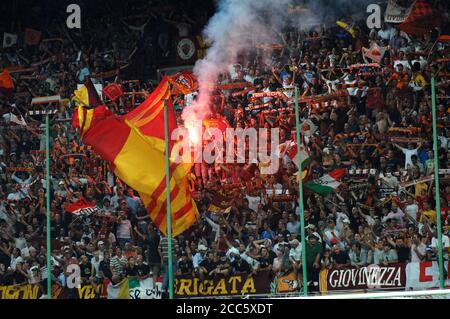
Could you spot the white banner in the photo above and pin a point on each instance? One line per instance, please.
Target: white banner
(424, 275)
(146, 290)
(395, 13)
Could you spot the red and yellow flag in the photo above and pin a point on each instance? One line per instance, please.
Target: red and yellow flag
(134, 145)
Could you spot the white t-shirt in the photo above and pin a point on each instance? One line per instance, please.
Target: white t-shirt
(253, 202)
(386, 34)
(232, 250)
(293, 228)
(408, 153)
(445, 244)
(96, 264)
(296, 253)
(20, 243)
(14, 261)
(266, 99)
(402, 62)
(422, 248)
(124, 229)
(412, 210)
(444, 141)
(398, 215)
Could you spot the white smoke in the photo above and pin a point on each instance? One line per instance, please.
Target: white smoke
(237, 27)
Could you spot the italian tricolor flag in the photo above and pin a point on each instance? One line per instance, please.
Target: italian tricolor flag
(304, 156)
(290, 149)
(327, 183)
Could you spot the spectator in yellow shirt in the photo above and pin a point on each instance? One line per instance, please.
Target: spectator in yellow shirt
(428, 213)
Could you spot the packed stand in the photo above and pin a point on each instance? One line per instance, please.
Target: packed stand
(371, 218)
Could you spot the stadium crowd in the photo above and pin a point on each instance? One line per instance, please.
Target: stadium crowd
(379, 130)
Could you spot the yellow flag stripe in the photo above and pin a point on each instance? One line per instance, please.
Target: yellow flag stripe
(144, 120)
(163, 94)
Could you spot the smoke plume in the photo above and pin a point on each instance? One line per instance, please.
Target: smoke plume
(237, 27)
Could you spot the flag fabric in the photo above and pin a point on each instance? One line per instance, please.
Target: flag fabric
(6, 83)
(292, 152)
(421, 19)
(13, 118)
(113, 91)
(9, 39)
(133, 288)
(32, 37)
(347, 27)
(444, 38)
(134, 145)
(220, 202)
(81, 207)
(395, 13)
(120, 290)
(148, 117)
(375, 52)
(183, 82)
(308, 128)
(87, 95)
(327, 183)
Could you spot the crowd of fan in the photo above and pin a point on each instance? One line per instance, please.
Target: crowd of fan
(370, 219)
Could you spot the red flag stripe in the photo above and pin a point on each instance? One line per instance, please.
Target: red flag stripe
(162, 212)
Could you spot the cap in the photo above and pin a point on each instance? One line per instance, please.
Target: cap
(313, 236)
(202, 247)
(100, 242)
(310, 226)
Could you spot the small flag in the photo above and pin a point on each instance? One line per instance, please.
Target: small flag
(16, 119)
(120, 290)
(375, 52)
(87, 95)
(293, 155)
(327, 183)
(32, 37)
(183, 82)
(81, 207)
(113, 91)
(347, 28)
(308, 128)
(9, 39)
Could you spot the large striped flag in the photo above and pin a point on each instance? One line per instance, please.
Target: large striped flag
(134, 145)
(327, 183)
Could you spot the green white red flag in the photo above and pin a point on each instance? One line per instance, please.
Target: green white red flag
(327, 183)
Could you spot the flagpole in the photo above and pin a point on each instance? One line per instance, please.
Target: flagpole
(169, 211)
(300, 195)
(436, 185)
(47, 185)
